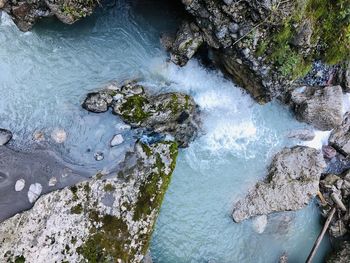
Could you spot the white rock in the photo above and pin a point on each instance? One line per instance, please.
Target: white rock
(20, 185)
(259, 224)
(117, 139)
(38, 136)
(123, 127)
(52, 181)
(59, 135)
(34, 192)
(99, 156)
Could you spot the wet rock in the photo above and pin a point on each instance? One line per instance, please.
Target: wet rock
(302, 134)
(99, 156)
(341, 255)
(291, 184)
(340, 136)
(283, 258)
(34, 192)
(76, 224)
(5, 136)
(117, 140)
(302, 38)
(171, 113)
(187, 42)
(2, 3)
(328, 152)
(319, 106)
(20, 185)
(259, 224)
(27, 13)
(337, 229)
(59, 135)
(98, 101)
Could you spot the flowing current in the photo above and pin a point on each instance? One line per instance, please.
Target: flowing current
(45, 74)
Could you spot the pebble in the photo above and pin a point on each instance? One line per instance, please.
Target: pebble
(99, 156)
(52, 181)
(117, 140)
(34, 192)
(20, 185)
(5, 136)
(59, 135)
(328, 151)
(259, 224)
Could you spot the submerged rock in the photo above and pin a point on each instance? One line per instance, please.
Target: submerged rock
(5, 136)
(34, 192)
(103, 220)
(259, 224)
(340, 136)
(291, 184)
(321, 107)
(20, 185)
(59, 135)
(99, 156)
(302, 134)
(171, 113)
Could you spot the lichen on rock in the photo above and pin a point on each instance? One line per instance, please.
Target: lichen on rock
(102, 220)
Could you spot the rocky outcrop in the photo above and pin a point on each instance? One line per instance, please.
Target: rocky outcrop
(27, 13)
(321, 107)
(266, 45)
(171, 113)
(106, 219)
(291, 184)
(342, 76)
(188, 41)
(341, 255)
(340, 136)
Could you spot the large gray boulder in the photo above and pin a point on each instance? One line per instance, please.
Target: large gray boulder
(321, 107)
(170, 113)
(293, 180)
(106, 219)
(340, 136)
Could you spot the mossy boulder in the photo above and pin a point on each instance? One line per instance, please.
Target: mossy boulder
(266, 45)
(172, 113)
(107, 219)
(27, 13)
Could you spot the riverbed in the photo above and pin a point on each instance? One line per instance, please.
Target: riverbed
(45, 75)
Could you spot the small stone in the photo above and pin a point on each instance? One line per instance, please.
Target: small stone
(233, 27)
(38, 136)
(34, 192)
(117, 140)
(118, 97)
(123, 127)
(2, 3)
(52, 181)
(99, 156)
(259, 224)
(283, 258)
(5, 136)
(20, 185)
(59, 135)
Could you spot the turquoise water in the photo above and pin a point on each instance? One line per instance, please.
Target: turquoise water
(45, 74)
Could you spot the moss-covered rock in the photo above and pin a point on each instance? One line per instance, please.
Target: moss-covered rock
(27, 13)
(266, 45)
(171, 113)
(103, 220)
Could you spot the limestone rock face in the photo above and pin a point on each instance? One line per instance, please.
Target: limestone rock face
(292, 182)
(321, 107)
(27, 13)
(106, 219)
(171, 113)
(340, 136)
